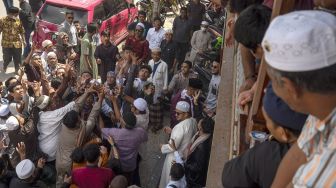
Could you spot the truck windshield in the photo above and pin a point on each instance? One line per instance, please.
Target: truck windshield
(56, 14)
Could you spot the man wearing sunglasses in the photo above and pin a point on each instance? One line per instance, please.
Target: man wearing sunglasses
(69, 28)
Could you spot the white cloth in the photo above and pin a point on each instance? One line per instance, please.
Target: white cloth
(142, 120)
(182, 134)
(200, 41)
(70, 29)
(49, 127)
(155, 38)
(183, 106)
(211, 100)
(159, 78)
(140, 104)
(301, 41)
(11, 124)
(25, 169)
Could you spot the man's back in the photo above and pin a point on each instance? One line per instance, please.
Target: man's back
(89, 177)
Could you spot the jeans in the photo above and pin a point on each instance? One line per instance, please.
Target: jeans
(7, 3)
(28, 47)
(10, 54)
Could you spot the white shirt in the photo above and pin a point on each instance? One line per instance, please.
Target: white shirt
(49, 127)
(155, 38)
(142, 120)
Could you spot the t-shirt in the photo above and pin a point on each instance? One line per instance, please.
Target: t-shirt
(211, 100)
(89, 177)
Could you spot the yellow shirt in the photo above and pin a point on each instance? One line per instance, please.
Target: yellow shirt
(11, 30)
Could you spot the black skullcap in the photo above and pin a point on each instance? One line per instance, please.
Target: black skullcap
(280, 113)
(130, 120)
(195, 83)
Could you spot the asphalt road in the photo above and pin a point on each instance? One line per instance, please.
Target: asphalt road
(10, 69)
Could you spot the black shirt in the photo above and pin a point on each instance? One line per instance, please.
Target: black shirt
(195, 13)
(26, 16)
(182, 30)
(256, 167)
(168, 52)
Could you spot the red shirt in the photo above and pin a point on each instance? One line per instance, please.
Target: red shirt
(89, 177)
(140, 48)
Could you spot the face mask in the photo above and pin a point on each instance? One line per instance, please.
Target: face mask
(203, 29)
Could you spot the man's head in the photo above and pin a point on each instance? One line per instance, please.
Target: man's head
(176, 171)
(10, 81)
(206, 125)
(13, 12)
(139, 29)
(86, 76)
(130, 120)
(301, 58)
(110, 78)
(157, 23)
(204, 26)
(119, 182)
(16, 91)
(215, 68)
(142, 16)
(169, 35)
(52, 59)
(127, 53)
(42, 102)
(144, 72)
(283, 123)
(156, 54)
(25, 169)
(237, 6)
(92, 153)
(36, 60)
(182, 110)
(251, 26)
(69, 17)
(91, 29)
(183, 12)
(47, 46)
(139, 106)
(185, 67)
(194, 86)
(105, 37)
(70, 119)
(77, 25)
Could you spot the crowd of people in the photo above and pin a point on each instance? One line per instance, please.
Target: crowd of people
(78, 113)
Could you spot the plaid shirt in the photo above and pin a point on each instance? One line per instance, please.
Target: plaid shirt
(318, 142)
(11, 30)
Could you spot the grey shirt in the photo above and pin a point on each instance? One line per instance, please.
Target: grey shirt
(181, 29)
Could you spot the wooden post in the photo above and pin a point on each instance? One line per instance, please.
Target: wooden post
(221, 143)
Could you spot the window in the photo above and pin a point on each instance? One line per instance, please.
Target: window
(99, 13)
(55, 14)
(114, 6)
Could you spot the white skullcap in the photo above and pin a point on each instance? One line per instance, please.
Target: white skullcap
(12, 123)
(205, 23)
(13, 109)
(25, 169)
(52, 54)
(183, 106)
(4, 109)
(157, 49)
(140, 104)
(46, 43)
(301, 41)
(42, 102)
(169, 31)
(141, 25)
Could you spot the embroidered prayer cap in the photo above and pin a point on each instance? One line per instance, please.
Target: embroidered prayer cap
(301, 41)
(157, 49)
(52, 54)
(4, 109)
(169, 31)
(140, 104)
(141, 25)
(25, 169)
(42, 102)
(205, 23)
(46, 43)
(183, 106)
(280, 113)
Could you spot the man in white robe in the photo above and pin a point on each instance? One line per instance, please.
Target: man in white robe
(182, 134)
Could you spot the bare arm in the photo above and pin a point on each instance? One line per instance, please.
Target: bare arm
(293, 159)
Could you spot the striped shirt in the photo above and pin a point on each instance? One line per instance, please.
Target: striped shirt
(318, 142)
